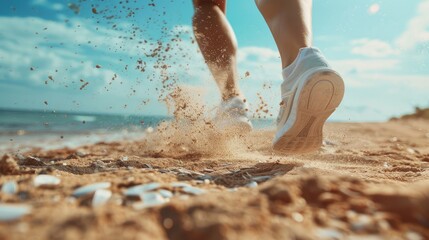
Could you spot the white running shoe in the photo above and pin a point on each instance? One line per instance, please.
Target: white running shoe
(311, 91)
(232, 116)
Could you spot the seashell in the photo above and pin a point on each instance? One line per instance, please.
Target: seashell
(252, 184)
(101, 196)
(149, 199)
(193, 190)
(84, 190)
(10, 212)
(9, 187)
(139, 189)
(165, 193)
(44, 180)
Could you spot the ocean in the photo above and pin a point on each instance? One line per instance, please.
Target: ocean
(21, 130)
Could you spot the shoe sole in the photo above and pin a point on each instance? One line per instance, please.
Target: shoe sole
(320, 95)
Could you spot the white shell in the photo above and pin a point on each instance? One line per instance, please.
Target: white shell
(139, 189)
(101, 196)
(180, 184)
(165, 193)
(252, 184)
(149, 199)
(9, 187)
(193, 190)
(84, 190)
(46, 180)
(261, 178)
(10, 212)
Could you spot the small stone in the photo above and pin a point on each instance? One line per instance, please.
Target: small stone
(205, 177)
(297, 217)
(252, 184)
(101, 196)
(46, 181)
(139, 189)
(124, 158)
(81, 153)
(362, 223)
(11, 212)
(329, 143)
(9, 187)
(149, 130)
(411, 151)
(147, 166)
(84, 190)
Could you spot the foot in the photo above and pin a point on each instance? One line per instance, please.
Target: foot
(311, 91)
(232, 116)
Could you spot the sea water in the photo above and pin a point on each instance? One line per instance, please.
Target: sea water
(21, 130)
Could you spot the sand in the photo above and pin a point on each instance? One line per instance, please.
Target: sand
(369, 181)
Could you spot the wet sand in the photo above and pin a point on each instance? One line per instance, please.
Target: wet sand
(369, 181)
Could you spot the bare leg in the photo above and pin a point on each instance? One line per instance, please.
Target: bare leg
(218, 44)
(290, 24)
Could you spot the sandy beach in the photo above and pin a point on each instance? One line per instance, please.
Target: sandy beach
(369, 181)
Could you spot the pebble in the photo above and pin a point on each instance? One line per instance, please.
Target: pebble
(9, 187)
(411, 151)
(297, 217)
(10, 212)
(44, 180)
(149, 130)
(101, 196)
(252, 184)
(193, 190)
(139, 189)
(362, 223)
(329, 143)
(205, 177)
(150, 199)
(84, 190)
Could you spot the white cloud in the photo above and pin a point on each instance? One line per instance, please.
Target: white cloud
(417, 31)
(359, 66)
(47, 4)
(372, 48)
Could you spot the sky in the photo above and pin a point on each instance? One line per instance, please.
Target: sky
(101, 56)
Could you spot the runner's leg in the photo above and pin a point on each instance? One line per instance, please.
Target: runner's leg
(218, 44)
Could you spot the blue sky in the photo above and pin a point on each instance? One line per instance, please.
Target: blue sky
(380, 47)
